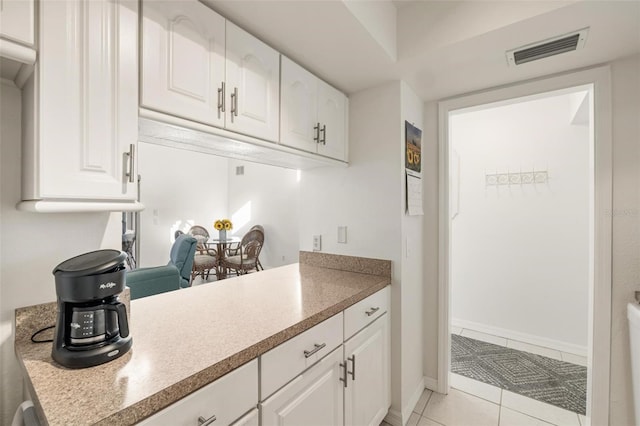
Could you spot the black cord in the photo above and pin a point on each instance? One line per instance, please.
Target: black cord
(33, 336)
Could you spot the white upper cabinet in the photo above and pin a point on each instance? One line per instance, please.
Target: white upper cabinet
(332, 119)
(183, 60)
(17, 20)
(200, 67)
(299, 107)
(81, 136)
(253, 85)
(313, 113)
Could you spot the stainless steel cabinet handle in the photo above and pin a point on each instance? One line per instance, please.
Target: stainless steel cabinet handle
(323, 141)
(132, 155)
(372, 311)
(316, 138)
(204, 422)
(352, 358)
(221, 99)
(344, 372)
(316, 348)
(234, 103)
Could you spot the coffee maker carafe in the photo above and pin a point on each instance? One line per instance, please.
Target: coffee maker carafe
(92, 326)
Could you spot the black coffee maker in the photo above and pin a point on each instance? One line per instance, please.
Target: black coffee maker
(92, 325)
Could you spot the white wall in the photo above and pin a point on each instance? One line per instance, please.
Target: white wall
(179, 188)
(520, 253)
(268, 196)
(32, 245)
(626, 228)
(412, 252)
(368, 198)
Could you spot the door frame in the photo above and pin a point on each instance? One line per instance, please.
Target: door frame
(599, 333)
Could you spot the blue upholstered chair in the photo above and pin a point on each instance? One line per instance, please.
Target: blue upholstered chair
(177, 273)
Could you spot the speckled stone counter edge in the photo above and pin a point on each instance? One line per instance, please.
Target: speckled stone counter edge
(149, 406)
(32, 318)
(362, 265)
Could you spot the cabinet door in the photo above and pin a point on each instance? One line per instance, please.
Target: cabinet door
(250, 419)
(332, 106)
(299, 107)
(253, 85)
(17, 20)
(314, 398)
(367, 394)
(88, 102)
(183, 60)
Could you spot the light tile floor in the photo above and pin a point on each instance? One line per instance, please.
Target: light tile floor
(473, 403)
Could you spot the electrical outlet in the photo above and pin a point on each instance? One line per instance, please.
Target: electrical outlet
(317, 242)
(342, 234)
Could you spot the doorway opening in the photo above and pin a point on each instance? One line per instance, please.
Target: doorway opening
(525, 176)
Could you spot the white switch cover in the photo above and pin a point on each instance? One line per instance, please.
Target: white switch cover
(342, 234)
(317, 242)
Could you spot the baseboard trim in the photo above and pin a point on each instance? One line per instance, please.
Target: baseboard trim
(431, 384)
(394, 418)
(521, 337)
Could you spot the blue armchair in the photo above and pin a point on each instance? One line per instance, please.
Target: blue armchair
(176, 274)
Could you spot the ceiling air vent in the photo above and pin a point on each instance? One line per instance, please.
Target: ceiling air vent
(546, 48)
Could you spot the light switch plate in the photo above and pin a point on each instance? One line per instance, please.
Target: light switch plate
(342, 234)
(317, 242)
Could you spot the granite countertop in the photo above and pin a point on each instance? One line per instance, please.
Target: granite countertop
(183, 340)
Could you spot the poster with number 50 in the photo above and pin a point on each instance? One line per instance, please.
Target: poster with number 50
(413, 137)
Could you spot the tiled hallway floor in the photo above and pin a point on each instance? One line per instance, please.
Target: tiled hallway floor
(526, 347)
(473, 403)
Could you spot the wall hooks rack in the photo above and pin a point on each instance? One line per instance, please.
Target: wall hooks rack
(517, 178)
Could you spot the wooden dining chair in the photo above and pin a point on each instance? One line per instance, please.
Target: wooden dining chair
(244, 258)
(206, 258)
(261, 229)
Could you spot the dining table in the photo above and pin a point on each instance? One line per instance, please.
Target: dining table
(221, 246)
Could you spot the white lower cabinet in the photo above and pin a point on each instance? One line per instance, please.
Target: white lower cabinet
(313, 398)
(350, 386)
(367, 394)
(252, 418)
(222, 402)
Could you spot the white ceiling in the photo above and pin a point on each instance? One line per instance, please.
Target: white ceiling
(444, 48)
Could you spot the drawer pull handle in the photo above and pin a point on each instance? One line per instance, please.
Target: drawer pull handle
(344, 372)
(372, 311)
(205, 422)
(316, 348)
(352, 358)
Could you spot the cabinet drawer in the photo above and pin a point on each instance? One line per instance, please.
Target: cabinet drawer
(284, 362)
(227, 398)
(357, 317)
